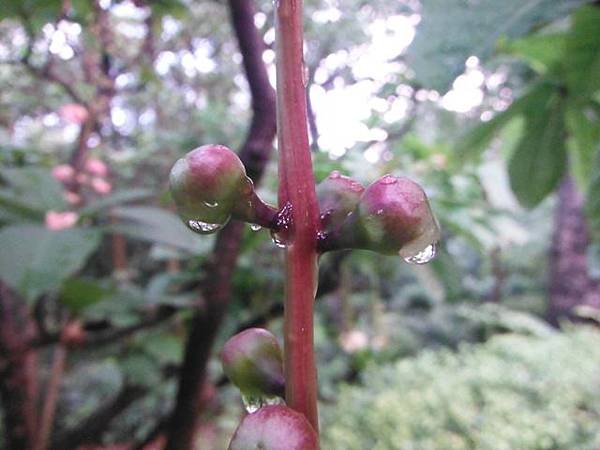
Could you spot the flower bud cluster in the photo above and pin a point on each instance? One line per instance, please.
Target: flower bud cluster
(391, 216)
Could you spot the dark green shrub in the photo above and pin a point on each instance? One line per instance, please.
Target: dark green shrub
(513, 392)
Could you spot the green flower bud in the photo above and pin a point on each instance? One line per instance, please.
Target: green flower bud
(253, 362)
(274, 428)
(209, 186)
(393, 216)
(338, 196)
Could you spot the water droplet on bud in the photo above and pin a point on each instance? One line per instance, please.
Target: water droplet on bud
(211, 204)
(422, 257)
(254, 403)
(203, 227)
(255, 227)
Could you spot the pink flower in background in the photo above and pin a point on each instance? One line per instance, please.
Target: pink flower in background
(354, 340)
(73, 112)
(101, 186)
(63, 173)
(61, 220)
(96, 167)
(82, 178)
(72, 198)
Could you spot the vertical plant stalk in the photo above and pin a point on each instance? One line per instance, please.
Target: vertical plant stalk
(297, 187)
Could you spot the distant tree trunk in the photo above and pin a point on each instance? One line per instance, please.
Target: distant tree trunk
(18, 384)
(570, 283)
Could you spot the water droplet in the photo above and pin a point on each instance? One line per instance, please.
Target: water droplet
(389, 179)
(283, 225)
(422, 257)
(278, 240)
(254, 403)
(203, 227)
(325, 218)
(316, 282)
(335, 174)
(255, 227)
(211, 204)
(305, 75)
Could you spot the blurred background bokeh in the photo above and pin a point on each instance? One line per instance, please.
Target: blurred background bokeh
(494, 107)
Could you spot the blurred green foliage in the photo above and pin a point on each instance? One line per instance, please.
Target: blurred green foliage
(515, 392)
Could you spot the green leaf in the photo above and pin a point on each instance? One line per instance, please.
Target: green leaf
(79, 294)
(583, 53)
(478, 138)
(540, 159)
(38, 11)
(164, 348)
(35, 260)
(542, 51)
(30, 192)
(592, 205)
(115, 199)
(453, 30)
(141, 369)
(584, 129)
(157, 226)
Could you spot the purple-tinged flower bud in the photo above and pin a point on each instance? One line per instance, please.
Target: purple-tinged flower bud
(338, 196)
(394, 216)
(209, 186)
(274, 428)
(252, 360)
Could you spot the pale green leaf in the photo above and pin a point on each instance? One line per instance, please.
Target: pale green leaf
(540, 159)
(453, 30)
(583, 53)
(477, 139)
(584, 130)
(157, 225)
(542, 51)
(35, 260)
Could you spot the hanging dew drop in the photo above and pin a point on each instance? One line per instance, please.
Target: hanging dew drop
(251, 404)
(422, 257)
(204, 227)
(254, 403)
(255, 227)
(211, 204)
(278, 240)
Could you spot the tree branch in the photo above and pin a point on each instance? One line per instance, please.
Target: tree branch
(18, 386)
(90, 339)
